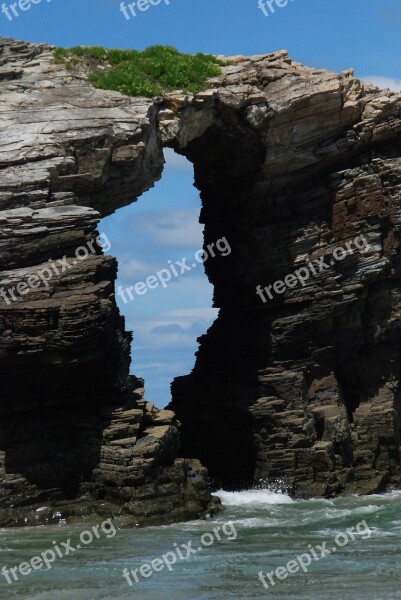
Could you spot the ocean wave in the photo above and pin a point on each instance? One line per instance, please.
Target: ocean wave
(263, 497)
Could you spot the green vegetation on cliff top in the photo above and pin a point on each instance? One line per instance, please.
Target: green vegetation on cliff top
(149, 73)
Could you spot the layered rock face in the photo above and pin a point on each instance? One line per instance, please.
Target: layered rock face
(76, 435)
(297, 387)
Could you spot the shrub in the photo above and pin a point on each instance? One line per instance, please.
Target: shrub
(148, 73)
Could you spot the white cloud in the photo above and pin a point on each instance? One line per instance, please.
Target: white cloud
(176, 329)
(177, 228)
(166, 366)
(208, 314)
(185, 319)
(133, 269)
(384, 82)
(191, 284)
(176, 162)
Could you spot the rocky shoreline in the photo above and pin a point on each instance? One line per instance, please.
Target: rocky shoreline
(291, 162)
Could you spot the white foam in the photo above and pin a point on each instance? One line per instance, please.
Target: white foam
(253, 498)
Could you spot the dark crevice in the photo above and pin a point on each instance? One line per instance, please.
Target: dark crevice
(351, 386)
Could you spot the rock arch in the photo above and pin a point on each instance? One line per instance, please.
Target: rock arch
(291, 162)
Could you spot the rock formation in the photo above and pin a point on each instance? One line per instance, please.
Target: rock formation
(302, 389)
(76, 435)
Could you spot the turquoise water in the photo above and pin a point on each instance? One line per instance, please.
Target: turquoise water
(259, 531)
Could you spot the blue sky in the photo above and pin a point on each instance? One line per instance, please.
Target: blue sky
(162, 225)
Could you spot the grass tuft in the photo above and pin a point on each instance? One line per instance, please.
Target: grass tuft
(151, 72)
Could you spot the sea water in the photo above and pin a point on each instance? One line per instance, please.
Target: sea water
(265, 530)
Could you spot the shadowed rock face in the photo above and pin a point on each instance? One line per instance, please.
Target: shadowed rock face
(303, 388)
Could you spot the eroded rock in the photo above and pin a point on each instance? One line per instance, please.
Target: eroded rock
(77, 439)
(302, 389)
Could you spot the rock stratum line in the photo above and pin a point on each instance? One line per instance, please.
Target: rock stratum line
(291, 162)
